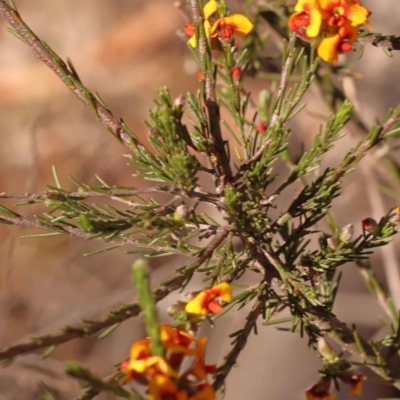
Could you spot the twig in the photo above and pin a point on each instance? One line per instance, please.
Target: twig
(389, 42)
(32, 223)
(284, 79)
(221, 164)
(67, 75)
(89, 328)
(197, 192)
(91, 393)
(378, 292)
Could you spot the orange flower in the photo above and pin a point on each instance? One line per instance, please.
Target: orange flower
(177, 341)
(354, 380)
(334, 23)
(162, 388)
(206, 302)
(199, 369)
(142, 361)
(151, 366)
(341, 10)
(307, 19)
(225, 28)
(335, 44)
(161, 372)
(321, 390)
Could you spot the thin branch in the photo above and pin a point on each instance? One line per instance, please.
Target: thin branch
(381, 297)
(91, 393)
(197, 192)
(67, 75)
(221, 164)
(32, 223)
(284, 80)
(389, 42)
(124, 312)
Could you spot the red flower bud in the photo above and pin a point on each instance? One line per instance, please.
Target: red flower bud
(345, 47)
(262, 127)
(236, 72)
(370, 225)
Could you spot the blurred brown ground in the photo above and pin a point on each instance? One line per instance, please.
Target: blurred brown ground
(125, 49)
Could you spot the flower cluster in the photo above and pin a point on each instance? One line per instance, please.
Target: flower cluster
(332, 25)
(162, 373)
(223, 28)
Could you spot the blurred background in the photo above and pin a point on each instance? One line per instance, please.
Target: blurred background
(124, 49)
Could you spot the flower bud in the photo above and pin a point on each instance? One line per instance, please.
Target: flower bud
(188, 296)
(346, 234)
(180, 213)
(332, 243)
(236, 72)
(394, 215)
(175, 308)
(225, 36)
(370, 225)
(262, 127)
(180, 101)
(325, 349)
(178, 106)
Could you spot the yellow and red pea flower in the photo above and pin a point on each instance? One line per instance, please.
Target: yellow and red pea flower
(161, 373)
(334, 44)
(207, 301)
(223, 28)
(307, 19)
(142, 361)
(332, 23)
(177, 341)
(341, 10)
